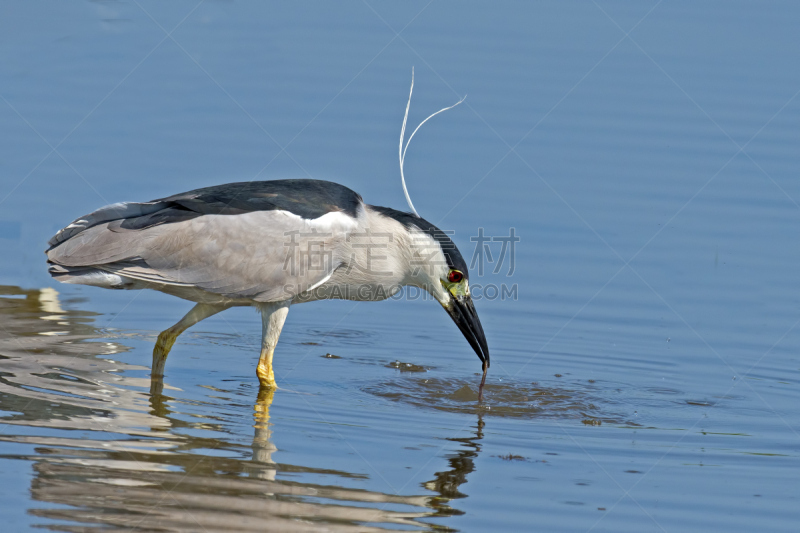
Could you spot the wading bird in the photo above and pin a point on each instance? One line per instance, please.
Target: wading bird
(268, 244)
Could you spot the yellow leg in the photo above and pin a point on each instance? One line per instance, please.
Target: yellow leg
(264, 369)
(167, 337)
(273, 315)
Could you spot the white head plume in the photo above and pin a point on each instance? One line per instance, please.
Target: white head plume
(403, 136)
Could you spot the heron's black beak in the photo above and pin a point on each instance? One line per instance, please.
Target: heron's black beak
(463, 313)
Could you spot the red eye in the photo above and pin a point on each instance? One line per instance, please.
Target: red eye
(455, 276)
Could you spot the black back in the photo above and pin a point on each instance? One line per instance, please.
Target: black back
(451, 253)
(306, 198)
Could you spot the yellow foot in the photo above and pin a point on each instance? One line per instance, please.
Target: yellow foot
(266, 376)
(161, 350)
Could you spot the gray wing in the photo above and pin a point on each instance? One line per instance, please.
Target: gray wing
(263, 255)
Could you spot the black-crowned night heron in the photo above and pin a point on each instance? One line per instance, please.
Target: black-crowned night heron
(268, 244)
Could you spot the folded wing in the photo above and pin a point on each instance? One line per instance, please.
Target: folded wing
(259, 241)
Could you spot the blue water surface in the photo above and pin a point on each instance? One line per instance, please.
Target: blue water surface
(645, 352)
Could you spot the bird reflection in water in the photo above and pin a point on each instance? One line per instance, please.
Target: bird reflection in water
(135, 460)
(262, 444)
(447, 483)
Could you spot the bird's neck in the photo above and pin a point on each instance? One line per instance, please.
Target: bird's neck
(394, 253)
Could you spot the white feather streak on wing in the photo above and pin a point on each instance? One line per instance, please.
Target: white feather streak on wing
(320, 282)
(334, 221)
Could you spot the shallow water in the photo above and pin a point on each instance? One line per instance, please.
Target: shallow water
(645, 370)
